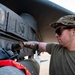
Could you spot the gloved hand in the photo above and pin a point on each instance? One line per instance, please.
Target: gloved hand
(16, 47)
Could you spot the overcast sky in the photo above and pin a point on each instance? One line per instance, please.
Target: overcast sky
(69, 4)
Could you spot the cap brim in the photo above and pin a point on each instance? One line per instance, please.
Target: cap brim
(54, 25)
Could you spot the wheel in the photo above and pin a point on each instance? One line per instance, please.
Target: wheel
(32, 66)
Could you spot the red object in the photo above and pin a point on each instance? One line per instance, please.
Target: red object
(15, 64)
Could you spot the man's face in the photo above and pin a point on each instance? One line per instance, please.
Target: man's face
(63, 35)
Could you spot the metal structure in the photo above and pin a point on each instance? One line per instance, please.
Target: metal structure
(15, 28)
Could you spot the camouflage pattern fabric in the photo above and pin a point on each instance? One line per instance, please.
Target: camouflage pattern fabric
(68, 20)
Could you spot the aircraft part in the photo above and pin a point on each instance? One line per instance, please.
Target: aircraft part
(13, 30)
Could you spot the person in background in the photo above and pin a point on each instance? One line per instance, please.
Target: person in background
(62, 53)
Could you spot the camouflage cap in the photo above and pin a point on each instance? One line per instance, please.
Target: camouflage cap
(68, 20)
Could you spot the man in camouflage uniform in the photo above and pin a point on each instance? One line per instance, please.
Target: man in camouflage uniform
(62, 54)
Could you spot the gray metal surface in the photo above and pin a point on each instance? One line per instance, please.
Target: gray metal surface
(10, 70)
(22, 27)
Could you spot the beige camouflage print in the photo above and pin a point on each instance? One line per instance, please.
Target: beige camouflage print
(68, 20)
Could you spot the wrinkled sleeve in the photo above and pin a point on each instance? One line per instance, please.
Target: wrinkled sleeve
(50, 47)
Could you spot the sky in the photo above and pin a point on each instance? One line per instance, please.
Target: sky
(68, 4)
